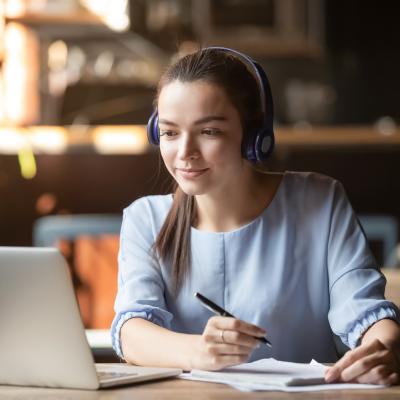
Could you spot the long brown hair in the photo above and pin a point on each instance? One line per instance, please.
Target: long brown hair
(231, 74)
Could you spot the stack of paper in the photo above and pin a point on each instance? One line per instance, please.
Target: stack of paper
(271, 374)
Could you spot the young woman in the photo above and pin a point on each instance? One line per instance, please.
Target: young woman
(283, 252)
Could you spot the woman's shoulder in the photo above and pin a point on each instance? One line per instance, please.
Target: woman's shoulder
(312, 188)
(153, 207)
(310, 180)
(310, 197)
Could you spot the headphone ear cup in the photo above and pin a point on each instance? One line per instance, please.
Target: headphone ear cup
(259, 147)
(264, 144)
(153, 134)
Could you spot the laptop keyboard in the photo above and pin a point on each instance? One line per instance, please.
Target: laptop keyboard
(103, 375)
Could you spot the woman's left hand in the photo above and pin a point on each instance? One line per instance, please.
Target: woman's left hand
(371, 362)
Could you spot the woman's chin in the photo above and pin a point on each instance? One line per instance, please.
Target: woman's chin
(192, 190)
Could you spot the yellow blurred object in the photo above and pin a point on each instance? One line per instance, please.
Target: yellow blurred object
(27, 163)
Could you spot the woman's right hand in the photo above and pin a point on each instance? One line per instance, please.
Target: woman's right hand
(225, 342)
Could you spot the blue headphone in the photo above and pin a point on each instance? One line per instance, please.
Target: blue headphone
(257, 146)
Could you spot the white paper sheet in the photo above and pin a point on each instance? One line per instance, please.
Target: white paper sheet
(273, 375)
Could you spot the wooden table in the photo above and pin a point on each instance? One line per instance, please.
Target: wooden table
(392, 291)
(175, 389)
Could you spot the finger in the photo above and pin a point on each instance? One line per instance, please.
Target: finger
(378, 375)
(241, 339)
(212, 337)
(365, 364)
(394, 379)
(351, 357)
(228, 349)
(234, 324)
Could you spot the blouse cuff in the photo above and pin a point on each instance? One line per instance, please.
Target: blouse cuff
(369, 318)
(116, 331)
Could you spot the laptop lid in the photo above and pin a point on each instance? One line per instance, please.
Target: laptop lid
(42, 340)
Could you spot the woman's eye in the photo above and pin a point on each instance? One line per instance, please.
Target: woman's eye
(167, 133)
(210, 132)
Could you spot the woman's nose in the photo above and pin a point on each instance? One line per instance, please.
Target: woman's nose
(187, 148)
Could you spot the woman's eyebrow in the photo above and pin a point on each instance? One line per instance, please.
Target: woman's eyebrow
(197, 122)
(210, 118)
(166, 122)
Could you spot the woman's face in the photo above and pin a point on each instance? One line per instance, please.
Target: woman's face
(200, 136)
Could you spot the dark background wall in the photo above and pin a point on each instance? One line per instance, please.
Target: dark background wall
(80, 183)
(364, 57)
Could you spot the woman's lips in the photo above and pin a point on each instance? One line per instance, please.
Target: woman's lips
(190, 173)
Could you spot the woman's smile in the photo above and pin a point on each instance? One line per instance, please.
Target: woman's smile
(191, 173)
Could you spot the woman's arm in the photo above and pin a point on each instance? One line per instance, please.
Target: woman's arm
(145, 343)
(376, 360)
(224, 342)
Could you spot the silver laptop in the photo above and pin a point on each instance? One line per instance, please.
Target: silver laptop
(42, 339)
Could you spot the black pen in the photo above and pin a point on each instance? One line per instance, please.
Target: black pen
(223, 313)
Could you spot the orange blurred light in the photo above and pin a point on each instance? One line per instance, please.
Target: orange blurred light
(21, 99)
(120, 139)
(46, 203)
(15, 8)
(48, 139)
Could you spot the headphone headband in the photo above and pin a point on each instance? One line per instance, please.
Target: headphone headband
(256, 146)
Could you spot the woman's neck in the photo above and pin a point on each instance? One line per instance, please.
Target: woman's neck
(230, 209)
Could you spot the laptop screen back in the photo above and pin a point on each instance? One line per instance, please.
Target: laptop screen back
(42, 340)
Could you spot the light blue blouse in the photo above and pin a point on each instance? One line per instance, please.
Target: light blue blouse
(302, 270)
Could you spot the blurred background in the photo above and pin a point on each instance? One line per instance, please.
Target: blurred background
(77, 80)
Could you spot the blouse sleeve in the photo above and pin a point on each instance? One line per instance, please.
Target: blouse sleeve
(356, 285)
(140, 284)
